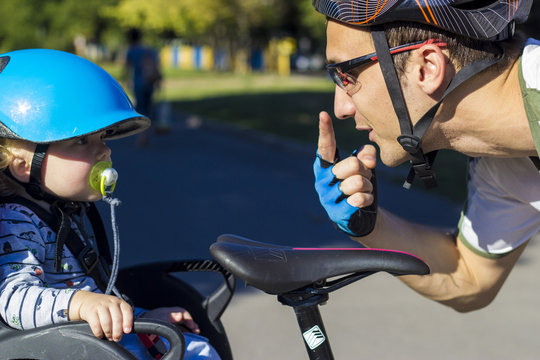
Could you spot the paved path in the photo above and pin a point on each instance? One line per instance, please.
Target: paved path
(186, 188)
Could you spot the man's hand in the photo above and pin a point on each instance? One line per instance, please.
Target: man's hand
(107, 315)
(347, 188)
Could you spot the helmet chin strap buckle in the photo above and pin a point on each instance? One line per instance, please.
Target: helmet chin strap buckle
(424, 172)
(421, 165)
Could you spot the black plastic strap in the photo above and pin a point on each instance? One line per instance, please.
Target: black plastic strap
(64, 229)
(34, 184)
(422, 170)
(536, 161)
(391, 78)
(88, 259)
(87, 256)
(37, 161)
(411, 142)
(99, 232)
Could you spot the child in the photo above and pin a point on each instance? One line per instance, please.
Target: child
(56, 111)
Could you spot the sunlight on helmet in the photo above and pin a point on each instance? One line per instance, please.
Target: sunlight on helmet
(21, 110)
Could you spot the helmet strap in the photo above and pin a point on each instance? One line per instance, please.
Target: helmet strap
(33, 188)
(411, 142)
(411, 137)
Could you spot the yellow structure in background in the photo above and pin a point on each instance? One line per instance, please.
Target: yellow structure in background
(165, 57)
(187, 57)
(241, 62)
(275, 58)
(278, 55)
(207, 59)
(285, 48)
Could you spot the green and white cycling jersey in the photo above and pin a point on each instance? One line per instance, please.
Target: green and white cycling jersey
(503, 203)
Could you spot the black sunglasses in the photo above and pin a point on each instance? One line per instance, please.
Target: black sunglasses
(339, 72)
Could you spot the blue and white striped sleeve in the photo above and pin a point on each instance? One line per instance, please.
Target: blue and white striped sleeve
(25, 300)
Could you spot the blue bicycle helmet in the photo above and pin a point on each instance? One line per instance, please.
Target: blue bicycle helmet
(50, 95)
(482, 19)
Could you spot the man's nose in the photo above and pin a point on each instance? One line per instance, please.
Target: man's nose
(343, 105)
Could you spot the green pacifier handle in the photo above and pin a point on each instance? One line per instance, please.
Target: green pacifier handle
(103, 177)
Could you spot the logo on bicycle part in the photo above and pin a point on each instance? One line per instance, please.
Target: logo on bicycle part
(314, 337)
(271, 255)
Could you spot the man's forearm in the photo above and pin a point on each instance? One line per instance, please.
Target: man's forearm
(459, 278)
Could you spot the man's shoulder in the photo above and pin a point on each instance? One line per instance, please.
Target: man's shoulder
(502, 210)
(505, 176)
(529, 81)
(530, 64)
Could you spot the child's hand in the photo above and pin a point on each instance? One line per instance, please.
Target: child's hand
(107, 315)
(173, 315)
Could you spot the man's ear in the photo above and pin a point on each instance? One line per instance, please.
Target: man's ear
(430, 67)
(21, 164)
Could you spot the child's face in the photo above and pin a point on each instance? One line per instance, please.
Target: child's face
(66, 167)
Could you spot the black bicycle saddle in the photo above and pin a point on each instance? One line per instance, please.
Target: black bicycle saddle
(277, 269)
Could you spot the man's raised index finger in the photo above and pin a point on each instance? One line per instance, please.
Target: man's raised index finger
(327, 138)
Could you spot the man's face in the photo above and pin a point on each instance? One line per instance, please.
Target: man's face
(370, 105)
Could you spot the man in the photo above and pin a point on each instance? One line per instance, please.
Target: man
(422, 76)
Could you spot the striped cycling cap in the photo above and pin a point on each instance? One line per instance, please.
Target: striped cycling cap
(474, 19)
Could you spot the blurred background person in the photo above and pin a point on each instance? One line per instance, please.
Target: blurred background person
(144, 76)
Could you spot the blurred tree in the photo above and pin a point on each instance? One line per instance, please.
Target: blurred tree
(311, 21)
(51, 23)
(228, 23)
(15, 29)
(236, 25)
(197, 19)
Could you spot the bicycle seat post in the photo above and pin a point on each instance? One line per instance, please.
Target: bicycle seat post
(306, 308)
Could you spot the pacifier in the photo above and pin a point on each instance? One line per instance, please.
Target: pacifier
(103, 177)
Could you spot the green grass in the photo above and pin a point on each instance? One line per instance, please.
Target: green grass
(197, 86)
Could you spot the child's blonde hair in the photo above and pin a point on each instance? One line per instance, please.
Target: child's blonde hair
(7, 185)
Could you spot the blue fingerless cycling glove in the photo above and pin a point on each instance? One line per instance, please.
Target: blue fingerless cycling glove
(350, 219)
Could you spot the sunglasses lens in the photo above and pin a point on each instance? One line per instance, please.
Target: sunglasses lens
(341, 79)
(344, 79)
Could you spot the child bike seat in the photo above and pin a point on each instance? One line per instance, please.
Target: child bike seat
(277, 269)
(75, 340)
(150, 286)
